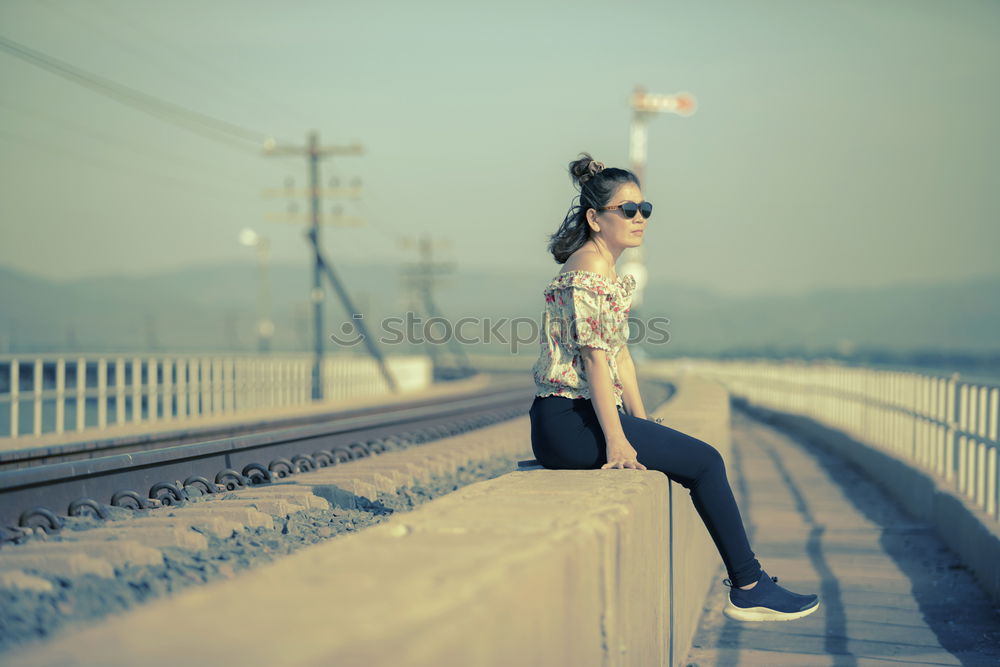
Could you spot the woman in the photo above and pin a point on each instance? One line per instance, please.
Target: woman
(587, 412)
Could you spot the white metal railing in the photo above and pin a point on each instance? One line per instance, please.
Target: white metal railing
(95, 392)
(943, 425)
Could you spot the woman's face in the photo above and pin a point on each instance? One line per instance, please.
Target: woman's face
(614, 227)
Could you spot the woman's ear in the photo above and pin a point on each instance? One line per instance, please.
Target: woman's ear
(592, 220)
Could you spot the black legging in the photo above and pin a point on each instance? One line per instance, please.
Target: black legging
(565, 433)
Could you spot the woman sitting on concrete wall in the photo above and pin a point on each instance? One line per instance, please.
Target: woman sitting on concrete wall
(587, 412)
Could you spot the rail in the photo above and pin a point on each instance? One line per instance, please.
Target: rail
(942, 425)
(95, 392)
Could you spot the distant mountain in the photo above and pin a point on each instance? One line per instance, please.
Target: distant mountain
(213, 308)
(959, 316)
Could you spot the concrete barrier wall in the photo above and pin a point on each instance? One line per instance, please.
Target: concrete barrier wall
(536, 567)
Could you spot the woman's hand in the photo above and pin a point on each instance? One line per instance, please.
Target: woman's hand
(622, 455)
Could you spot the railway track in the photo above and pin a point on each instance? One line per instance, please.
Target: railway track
(174, 433)
(38, 498)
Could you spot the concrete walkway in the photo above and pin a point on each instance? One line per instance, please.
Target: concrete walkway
(890, 591)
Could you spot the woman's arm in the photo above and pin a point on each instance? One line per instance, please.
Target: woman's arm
(620, 452)
(630, 385)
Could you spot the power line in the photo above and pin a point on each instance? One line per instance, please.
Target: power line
(107, 140)
(91, 160)
(207, 68)
(195, 121)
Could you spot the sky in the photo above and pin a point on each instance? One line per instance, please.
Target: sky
(835, 144)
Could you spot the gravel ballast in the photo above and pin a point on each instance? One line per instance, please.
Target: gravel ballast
(27, 616)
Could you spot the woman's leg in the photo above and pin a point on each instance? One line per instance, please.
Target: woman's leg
(565, 433)
(698, 467)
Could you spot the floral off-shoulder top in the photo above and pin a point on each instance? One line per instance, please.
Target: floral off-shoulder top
(582, 309)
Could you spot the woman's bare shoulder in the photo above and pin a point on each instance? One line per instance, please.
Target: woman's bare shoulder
(586, 259)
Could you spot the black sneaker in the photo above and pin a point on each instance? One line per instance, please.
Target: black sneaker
(767, 601)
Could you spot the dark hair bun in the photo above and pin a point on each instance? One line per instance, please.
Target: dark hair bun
(583, 169)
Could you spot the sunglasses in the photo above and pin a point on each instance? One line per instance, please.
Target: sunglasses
(630, 208)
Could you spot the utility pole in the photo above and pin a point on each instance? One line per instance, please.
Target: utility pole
(314, 152)
(644, 106)
(421, 278)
